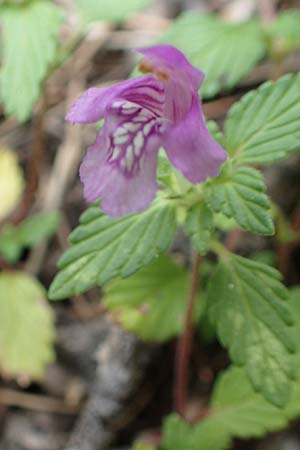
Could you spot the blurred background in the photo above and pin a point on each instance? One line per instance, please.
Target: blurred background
(58, 361)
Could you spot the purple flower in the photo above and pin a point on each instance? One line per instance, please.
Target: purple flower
(140, 115)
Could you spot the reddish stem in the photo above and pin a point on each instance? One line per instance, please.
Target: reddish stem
(184, 345)
(232, 239)
(34, 163)
(285, 249)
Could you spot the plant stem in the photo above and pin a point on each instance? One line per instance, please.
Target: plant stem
(267, 10)
(34, 164)
(184, 345)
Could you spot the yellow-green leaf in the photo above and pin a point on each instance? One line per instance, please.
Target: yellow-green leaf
(11, 182)
(26, 327)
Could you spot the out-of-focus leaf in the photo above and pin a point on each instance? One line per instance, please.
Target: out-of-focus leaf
(286, 31)
(105, 247)
(176, 434)
(264, 126)
(29, 43)
(247, 303)
(143, 445)
(112, 10)
(215, 131)
(226, 52)
(152, 302)
(26, 326)
(11, 182)
(13, 239)
(38, 227)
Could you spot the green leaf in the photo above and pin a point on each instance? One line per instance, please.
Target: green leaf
(104, 247)
(265, 256)
(29, 44)
(113, 10)
(247, 304)
(152, 302)
(292, 409)
(264, 126)
(206, 437)
(11, 182)
(236, 411)
(239, 193)
(38, 227)
(178, 435)
(242, 411)
(226, 52)
(215, 131)
(294, 300)
(165, 172)
(285, 29)
(143, 445)
(10, 247)
(26, 326)
(13, 239)
(199, 226)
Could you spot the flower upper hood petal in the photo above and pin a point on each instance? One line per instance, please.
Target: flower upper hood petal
(168, 60)
(181, 79)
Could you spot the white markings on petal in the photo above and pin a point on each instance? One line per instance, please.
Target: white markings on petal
(115, 154)
(117, 103)
(129, 105)
(129, 108)
(120, 131)
(140, 118)
(129, 140)
(129, 157)
(148, 127)
(129, 111)
(121, 139)
(138, 143)
(131, 126)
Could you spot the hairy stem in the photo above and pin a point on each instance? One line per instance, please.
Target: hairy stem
(184, 345)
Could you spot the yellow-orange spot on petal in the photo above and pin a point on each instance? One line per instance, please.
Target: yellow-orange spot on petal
(145, 67)
(161, 75)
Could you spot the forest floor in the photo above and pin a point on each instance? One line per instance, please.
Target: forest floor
(64, 411)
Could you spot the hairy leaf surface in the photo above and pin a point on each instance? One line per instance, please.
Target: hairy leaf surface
(104, 247)
(239, 193)
(198, 226)
(247, 304)
(263, 126)
(152, 302)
